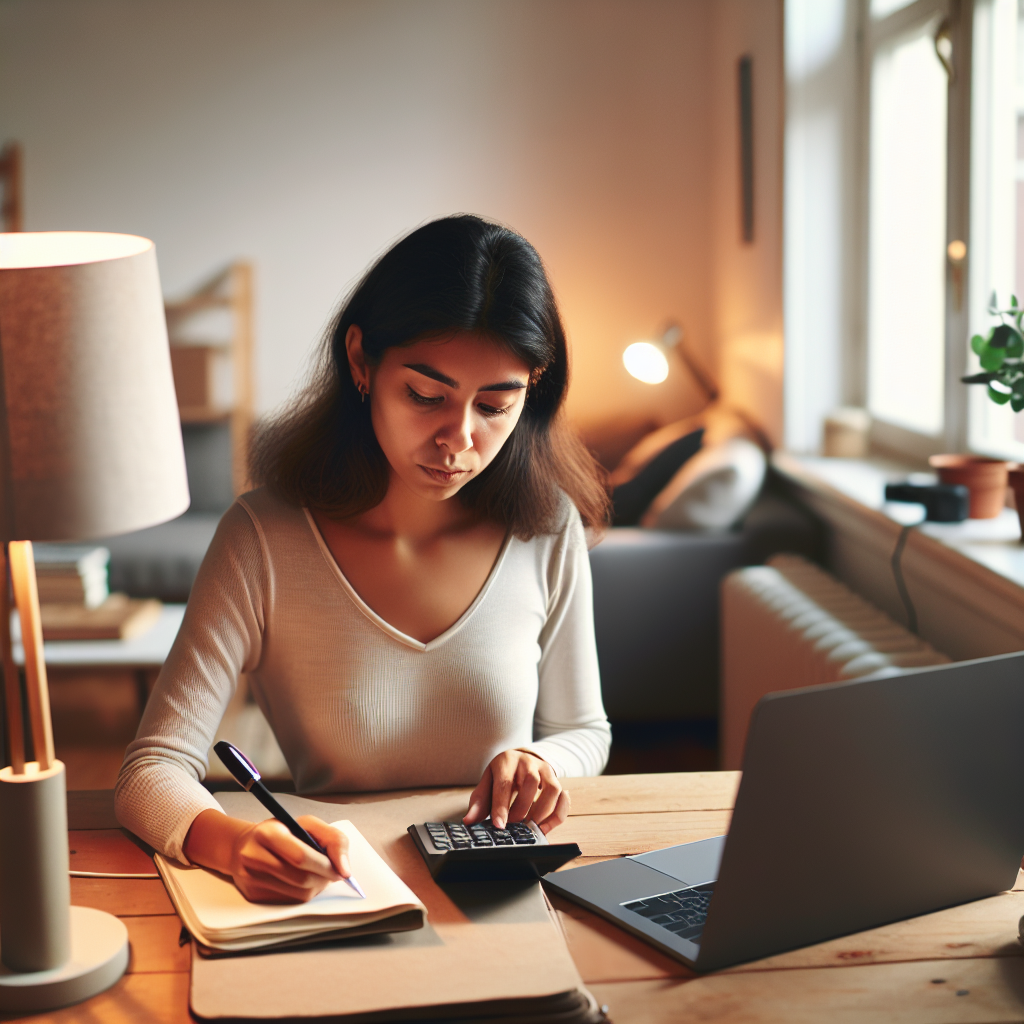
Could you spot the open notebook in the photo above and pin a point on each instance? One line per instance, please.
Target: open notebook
(221, 919)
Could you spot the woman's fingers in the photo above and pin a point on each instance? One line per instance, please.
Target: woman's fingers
(274, 850)
(479, 800)
(558, 816)
(332, 839)
(528, 785)
(503, 773)
(516, 785)
(545, 803)
(261, 888)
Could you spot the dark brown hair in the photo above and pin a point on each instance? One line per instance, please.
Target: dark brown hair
(458, 274)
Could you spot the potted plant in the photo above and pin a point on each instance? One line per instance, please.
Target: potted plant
(1001, 354)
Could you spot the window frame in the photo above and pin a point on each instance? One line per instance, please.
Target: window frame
(873, 34)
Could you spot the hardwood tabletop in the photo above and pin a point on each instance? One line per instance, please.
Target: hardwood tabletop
(959, 965)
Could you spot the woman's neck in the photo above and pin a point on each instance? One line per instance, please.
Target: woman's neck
(404, 514)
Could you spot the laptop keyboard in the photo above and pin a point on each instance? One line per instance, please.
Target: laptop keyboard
(453, 835)
(682, 912)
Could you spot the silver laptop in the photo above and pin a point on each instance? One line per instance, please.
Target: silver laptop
(861, 803)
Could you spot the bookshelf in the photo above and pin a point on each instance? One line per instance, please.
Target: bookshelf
(211, 336)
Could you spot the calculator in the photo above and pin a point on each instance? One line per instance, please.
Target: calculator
(476, 853)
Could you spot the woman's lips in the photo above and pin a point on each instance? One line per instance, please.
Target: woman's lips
(444, 476)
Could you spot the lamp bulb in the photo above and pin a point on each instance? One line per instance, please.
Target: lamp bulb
(646, 361)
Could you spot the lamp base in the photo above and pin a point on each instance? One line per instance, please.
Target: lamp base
(99, 956)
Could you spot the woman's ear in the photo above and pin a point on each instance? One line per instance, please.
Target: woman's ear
(357, 364)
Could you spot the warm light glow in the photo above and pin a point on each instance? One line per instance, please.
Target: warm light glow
(646, 362)
(23, 249)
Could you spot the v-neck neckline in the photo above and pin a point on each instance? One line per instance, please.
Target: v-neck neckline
(383, 624)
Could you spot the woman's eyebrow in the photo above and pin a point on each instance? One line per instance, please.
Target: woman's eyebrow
(429, 371)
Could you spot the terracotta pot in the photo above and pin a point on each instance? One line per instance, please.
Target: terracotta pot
(1017, 483)
(986, 479)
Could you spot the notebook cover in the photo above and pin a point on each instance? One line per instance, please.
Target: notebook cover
(490, 950)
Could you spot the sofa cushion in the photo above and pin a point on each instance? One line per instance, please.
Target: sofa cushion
(631, 499)
(712, 491)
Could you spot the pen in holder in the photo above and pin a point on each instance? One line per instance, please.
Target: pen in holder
(51, 953)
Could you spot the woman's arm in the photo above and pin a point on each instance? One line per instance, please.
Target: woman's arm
(158, 793)
(572, 732)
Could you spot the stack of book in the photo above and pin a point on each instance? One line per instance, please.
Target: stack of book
(72, 574)
(75, 600)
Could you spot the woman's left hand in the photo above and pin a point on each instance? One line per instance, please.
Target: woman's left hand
(517, 785)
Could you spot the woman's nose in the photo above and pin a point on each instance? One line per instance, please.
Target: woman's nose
(456, 434)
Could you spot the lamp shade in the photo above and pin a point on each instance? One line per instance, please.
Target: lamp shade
(90, 440)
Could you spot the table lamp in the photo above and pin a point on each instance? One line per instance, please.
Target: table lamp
(90, 445)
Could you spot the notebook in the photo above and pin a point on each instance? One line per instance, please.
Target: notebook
(223, 921)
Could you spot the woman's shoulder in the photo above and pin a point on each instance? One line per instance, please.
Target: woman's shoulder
(564, 529)
(264, 513)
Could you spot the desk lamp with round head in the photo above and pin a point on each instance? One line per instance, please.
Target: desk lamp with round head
(90, 445)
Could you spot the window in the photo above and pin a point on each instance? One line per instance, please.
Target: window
(906, 272)
(902, 217)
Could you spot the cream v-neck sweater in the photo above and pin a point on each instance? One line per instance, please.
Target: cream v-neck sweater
(354, 703)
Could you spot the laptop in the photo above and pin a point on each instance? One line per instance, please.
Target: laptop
(861, 803)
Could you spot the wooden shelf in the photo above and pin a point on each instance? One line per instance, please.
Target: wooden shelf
(230, 290)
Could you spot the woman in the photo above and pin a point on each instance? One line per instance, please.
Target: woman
(409, 590)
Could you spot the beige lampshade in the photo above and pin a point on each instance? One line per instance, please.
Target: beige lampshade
(90, 440)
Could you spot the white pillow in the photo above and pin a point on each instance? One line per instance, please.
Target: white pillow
(712, 490)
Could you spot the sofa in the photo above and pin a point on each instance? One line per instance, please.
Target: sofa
(656, 605)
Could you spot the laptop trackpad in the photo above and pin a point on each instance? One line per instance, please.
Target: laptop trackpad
(693, 863)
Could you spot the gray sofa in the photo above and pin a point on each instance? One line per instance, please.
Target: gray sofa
(656, 606)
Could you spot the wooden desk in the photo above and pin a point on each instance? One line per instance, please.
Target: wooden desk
(958, 965)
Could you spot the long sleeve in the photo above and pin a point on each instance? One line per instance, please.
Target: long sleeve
(158, 793)
(570, 727)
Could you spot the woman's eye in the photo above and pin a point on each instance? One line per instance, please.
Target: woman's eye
(490, 410)
(423, 399)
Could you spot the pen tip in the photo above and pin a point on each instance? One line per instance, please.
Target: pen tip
(355, 885)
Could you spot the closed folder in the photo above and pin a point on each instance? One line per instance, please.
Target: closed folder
(489, 950)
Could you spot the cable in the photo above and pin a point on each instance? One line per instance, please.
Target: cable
(104, 874)
(901, 585)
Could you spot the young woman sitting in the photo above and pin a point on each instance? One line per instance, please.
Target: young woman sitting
(408, 591)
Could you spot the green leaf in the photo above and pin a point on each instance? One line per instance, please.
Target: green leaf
(993, 303)
(1001, 335)
(1017, 403)
(977, 344)
(979, 378)
(997, 396)
(1013, 302)
(1015, 346)
(992, 358)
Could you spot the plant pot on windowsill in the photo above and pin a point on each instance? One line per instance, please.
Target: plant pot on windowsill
(986, 479)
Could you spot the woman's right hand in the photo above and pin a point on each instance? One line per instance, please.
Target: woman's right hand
(267, 863)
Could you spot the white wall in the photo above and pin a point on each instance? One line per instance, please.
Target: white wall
(308, 134)
(748, 322)
(822, 280)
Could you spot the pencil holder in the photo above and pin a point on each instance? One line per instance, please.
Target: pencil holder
(51, 953)
(35, 888)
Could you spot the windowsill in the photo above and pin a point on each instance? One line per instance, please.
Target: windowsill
(994, 544)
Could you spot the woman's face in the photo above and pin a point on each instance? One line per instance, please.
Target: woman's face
(442, 409)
